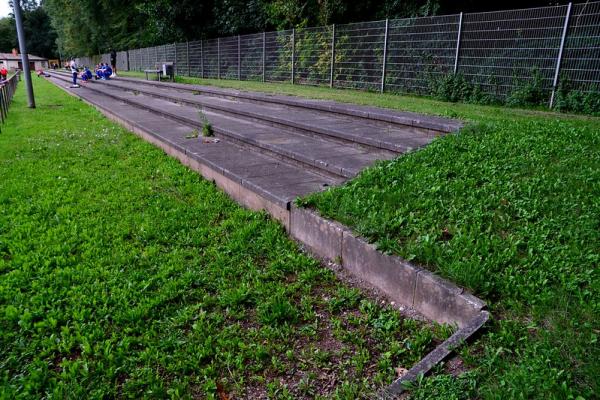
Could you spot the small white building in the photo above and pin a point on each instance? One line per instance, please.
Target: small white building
(12, 61)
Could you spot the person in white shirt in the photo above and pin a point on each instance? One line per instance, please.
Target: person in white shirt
(74, 72)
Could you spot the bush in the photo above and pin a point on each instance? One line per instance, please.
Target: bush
(207, 130)
(455, 87)
(532, 93)
(570, 100)
(450, 87)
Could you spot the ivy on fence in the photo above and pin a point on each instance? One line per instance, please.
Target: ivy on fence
(546, 55)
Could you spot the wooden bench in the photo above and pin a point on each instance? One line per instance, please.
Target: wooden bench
(159, 72)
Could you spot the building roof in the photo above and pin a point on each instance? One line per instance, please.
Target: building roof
(12, 57)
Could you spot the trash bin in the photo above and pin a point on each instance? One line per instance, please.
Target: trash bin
(167, 69)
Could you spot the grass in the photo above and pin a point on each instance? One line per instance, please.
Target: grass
(508, 208)
(124, 274)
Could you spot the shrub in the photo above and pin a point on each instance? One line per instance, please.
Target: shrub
(207, 129)
(450, 87)
(455, 87)
(570, 100)
(532, 93)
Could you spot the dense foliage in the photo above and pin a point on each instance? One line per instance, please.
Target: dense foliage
(41, 36)
(530, 93)
(88, 27)
(570, 99)
(75, 28)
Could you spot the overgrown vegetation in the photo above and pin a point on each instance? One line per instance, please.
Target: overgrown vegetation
(207, 129)
(456, 88)
(193, 134)
(98, 27)
(124, 274)
(569, 99)
(529, 93)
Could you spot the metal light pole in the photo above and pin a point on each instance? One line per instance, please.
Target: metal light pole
(23, 50)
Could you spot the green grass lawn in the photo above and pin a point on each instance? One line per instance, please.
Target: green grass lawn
(124, 274)
(509, 208)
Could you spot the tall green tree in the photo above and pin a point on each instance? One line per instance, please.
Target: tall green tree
(239, 16)
(40, 35)
(97, 26)
(167, 21)
(8, 35)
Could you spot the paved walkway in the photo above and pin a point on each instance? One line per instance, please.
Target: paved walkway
(279, 147)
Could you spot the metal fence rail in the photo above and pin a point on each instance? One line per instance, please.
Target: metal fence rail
(500, 50)
(419, 50)
(497, 51)
(358, 58)
(7, 91)
(581, 57)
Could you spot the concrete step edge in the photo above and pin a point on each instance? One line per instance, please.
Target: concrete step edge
(442, 124)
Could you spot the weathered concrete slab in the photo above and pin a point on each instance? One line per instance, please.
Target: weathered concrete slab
(390, 274)
(354, 166)
(323, 237)
(223, 162)
(403, 282)
(310, 150)
(380, 114)
(443, 301)
(304, 115)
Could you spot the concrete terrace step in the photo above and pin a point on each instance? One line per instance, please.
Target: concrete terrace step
(338, 127)
(266, 176)
(310, 152)
(436, 123)
(372, 133)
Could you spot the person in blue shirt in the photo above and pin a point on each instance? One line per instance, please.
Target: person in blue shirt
(99, 72)
(86, 75)
(107, 71)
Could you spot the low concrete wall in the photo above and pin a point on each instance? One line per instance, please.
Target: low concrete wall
(432, 296)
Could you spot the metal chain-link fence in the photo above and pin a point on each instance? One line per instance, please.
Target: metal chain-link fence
(498, 52)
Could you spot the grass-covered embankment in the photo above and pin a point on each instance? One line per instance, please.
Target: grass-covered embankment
(124, 274)
(509, 208)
